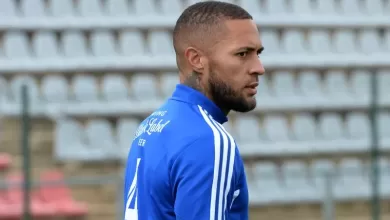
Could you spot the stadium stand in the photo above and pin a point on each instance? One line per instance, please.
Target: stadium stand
(95, 68)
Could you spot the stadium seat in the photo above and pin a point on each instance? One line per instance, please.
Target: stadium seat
(4, 92)
(90, 8)
(55, 89)
(8, 211)
(350, 183)
(16, 45)
(33, 8)
(242, 123)
(14, 195)
(320, 171)
(373, 7)
(268, 184)
(126, 130)
(270, 38)
(384, 86)
(45, 45)
(331, 128)
(284, 87)
(115, 87)
(369, 41)
(5, 161)
(360, 86)
(8, 9)
(169, 80)
(59, 8)
(325, 7)
(252, 6)
(336, 86)
(59, 195)
(310, 86)
(100, 140)
(358, 126)
(319, 41)
(131, 43)
(304, 127)
(103, 44)
(32, 91)
(74, 44)
(117, 8)
(276, 128)
(275, 7)
(169, 7)
(293, 42)
(263, 91)
(145, 7)
(344, 41)
(85, 88)
(144, 87)
(160, 43)
(350, 7)
(302, 7)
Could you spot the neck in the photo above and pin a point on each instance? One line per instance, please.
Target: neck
(193, 81)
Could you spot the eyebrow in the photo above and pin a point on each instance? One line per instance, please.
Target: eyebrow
(252, 49)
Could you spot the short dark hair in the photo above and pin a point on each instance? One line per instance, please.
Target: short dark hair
(202, 16)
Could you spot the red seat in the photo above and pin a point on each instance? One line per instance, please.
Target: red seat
(14, 196)
(5, 161)
(60, 195)
(8, 211)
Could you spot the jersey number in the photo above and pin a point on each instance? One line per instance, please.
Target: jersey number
(131, 212)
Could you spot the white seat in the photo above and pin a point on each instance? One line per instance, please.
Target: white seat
(168, 83)
(117, 7)
(275, 7)
(276, 128)
(336, 85)
(16, 45)
(325, 7)
(267, 182)
(293, 42)
(61, 8)
(103, 43)
(8, 9)
(302, 7)
(131, 43)
(32, 89)
(32, 8)
(319, 41)
(126, 130)
(143, 87)
(90, 8)
(160, 43)
(284, 86)
(145, 7)
(247, 128)
(384, 125)
(4, 92)
(351, 7)
(370, 41)
(295, 175)
(55, 88)
(69, 140)
(271, 39)
(304, 127)
(373, 7)
(320, 171)
(384, 86)
(74, 44)
(85, 88)
(386, 37)
(360, 85)
(309, 84)
(344, 41)
(45, 44)
(358, 126)
(229, 127)
(331, 126)
(263, 90)
(351, 183)
(169, 7)
(252, 6)
(100, 139)
(115, 87)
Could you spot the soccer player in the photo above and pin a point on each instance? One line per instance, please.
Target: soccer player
(182, 163)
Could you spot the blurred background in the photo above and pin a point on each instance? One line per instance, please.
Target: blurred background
(93, 69)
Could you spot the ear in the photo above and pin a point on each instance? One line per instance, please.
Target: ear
(195, 59)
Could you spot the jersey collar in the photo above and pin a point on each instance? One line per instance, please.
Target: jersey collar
(189, 95)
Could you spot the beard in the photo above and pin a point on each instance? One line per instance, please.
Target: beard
(226, 97)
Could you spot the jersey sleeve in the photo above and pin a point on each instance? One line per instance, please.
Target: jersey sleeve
(202, 177)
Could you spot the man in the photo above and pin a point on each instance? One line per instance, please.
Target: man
(183, 164)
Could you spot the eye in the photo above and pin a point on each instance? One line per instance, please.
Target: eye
(242, 54)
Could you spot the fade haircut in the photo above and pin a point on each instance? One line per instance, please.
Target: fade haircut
(198, 24)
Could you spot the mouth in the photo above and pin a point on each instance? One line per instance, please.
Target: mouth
(252, 88)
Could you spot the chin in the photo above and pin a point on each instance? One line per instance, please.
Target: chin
(246, 106)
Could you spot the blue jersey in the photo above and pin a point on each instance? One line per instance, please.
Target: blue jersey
(184, 165)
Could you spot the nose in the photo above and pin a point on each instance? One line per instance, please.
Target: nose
(257, 67)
